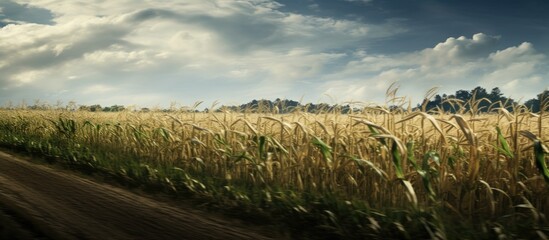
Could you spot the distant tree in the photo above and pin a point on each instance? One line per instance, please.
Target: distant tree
(95, 108)
(539, 103)
(463, 95)
(495, 94)
(83, 108)
(499, 100)
(488, 101)
(285, 106)
(114, 108)
(479, 93)
(396, 109)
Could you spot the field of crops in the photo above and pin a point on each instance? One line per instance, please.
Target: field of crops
(373, 173)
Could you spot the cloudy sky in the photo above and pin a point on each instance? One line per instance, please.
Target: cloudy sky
(155, 52)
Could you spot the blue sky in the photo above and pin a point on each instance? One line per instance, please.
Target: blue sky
(153, 53)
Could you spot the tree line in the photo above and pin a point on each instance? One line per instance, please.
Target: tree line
(461, 101)
(478, 99)
(483, 101)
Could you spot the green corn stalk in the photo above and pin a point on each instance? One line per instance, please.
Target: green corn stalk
(539, 151)
(66, 127)
(262, 142)
(165, 133)
(376, 133)
(425, 171)
(324, 149)
(398, 152)
(140, 136)
(504, 148)
(397, 160)
(410, 147)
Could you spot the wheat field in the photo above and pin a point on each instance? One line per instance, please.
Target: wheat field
(370, 173)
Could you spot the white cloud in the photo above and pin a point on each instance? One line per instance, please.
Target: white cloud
(97, 89)
(233, 51)
(196, 44)
(525, 52)
(457, 63)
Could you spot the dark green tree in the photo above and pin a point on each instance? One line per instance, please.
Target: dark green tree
(539, 103)
(95, 108)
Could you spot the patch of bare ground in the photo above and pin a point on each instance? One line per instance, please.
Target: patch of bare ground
(50, 203)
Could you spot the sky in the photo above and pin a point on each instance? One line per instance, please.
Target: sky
(160, 52)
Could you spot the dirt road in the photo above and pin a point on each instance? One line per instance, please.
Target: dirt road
(61, 205)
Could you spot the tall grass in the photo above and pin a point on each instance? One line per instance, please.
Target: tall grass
(373, 173)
